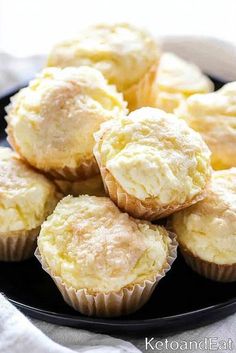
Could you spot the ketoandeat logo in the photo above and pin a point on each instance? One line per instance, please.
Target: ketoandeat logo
(206, 344)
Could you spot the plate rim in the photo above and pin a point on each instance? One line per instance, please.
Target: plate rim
(121, 322)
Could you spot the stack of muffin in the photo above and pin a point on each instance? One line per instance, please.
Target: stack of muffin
(133, 135)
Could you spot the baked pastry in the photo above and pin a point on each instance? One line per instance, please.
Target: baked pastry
(152, 163)
(176, 80)
(207, 231)
(127, 56)
(104, 262)
(52, 121)
(27, 198)
(214, 116)
(91, 186)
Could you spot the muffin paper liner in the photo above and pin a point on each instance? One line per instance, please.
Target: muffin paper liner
(115, 303)
(142, 93)
(80, 187)
(18, 245)
(86, 170)
(147, 210)
(213, 271)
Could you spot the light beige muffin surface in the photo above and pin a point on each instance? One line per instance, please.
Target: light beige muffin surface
(208, 229)
(154, 157)
(122, 52)
(213, 115)
(90, 244)
(27, 197)
(52, 121)
(176, 80)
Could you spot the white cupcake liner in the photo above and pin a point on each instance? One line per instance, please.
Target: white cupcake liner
(123, 302)
(148, 210)
(86, 169)
(81, 187)
(18, 245)
(142, 93)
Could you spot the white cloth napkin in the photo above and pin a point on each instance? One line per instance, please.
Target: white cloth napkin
(18, 334)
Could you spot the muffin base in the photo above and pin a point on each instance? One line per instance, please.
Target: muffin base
(210, 270)
(142, 93)
(114, 303)
(147, 210)
(88, 168)
(91, 186)
(18, 245)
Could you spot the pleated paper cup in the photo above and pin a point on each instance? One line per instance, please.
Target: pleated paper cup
(148, 210)
(18, 245)
(85, 170)
(115, 303)
(142, 93)
(210, 270)
(91, 186)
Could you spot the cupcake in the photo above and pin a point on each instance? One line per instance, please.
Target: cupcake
(176, 80)
(27, 198)
(152, 163)
(104, 262)
(91, 186)
(52, 121)
(207, 231)
(127, 56)
(213, 115)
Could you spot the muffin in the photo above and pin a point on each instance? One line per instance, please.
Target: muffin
(91, 186)
(104, 262)
(127, 56)
(52, 121)
(213, 115)
(176, 80)
(207, 231)
(27, 198)
(152, 163)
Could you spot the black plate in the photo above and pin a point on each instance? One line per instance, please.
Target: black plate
(182, 299)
